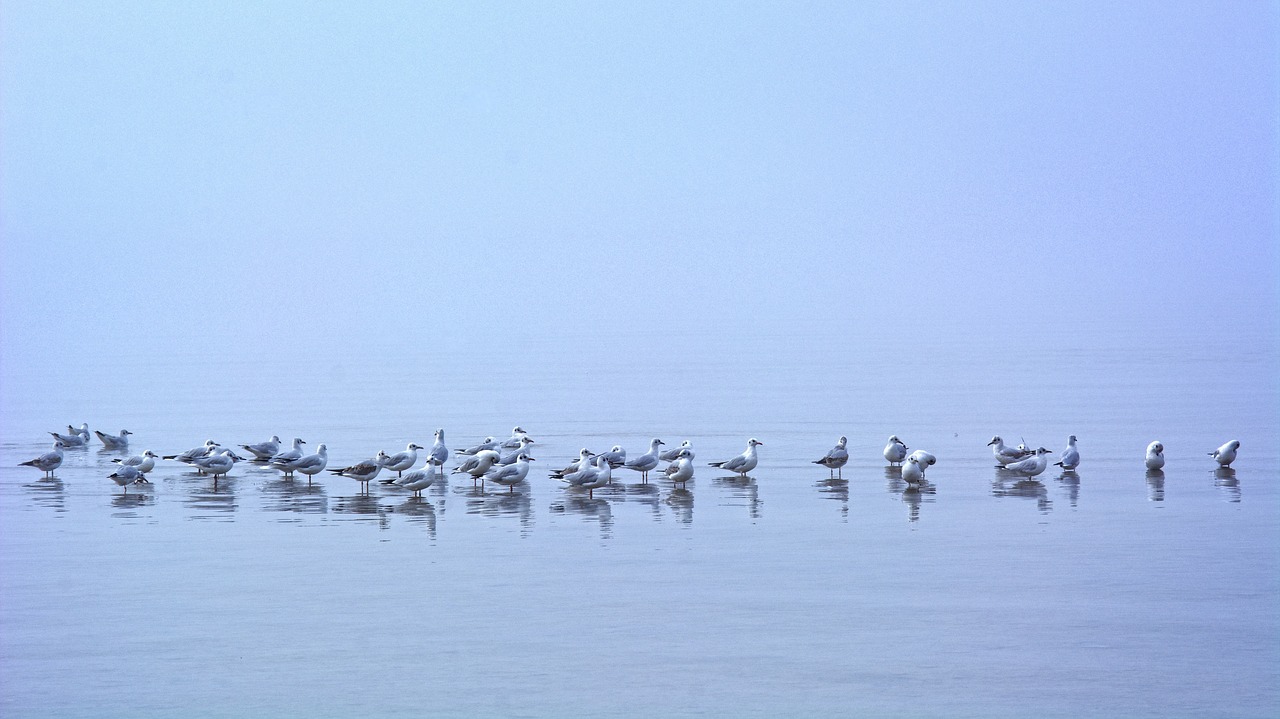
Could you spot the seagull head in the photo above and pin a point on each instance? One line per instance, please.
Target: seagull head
(995, 440)
(754, 442)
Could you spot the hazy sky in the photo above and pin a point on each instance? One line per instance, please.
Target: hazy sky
(246, 175)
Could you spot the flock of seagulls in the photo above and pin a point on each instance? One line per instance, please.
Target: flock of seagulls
(507, 462)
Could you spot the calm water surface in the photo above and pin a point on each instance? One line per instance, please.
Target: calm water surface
(1110, 591)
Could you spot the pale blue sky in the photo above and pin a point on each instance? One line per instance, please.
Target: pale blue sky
(227, 174)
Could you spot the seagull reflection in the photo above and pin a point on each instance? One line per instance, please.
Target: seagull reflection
(126, 505)
(744, 488)
(1155, 485)
(216, 502)
(681, 503)
(503, 503)
(915, 495)
(362, 507)
(1071, 482)
(48, 492)
(289, 496)
(1003, 486)
(645, 494)
(1225, 479)
(838, 490)
(597, 509)
(419, 511)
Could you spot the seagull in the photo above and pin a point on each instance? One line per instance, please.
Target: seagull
(217, 464)
(75, 439)
(281, 460)
(125, 476)
(420, 479)
(1031, 466)
(194, 452)
(681, 469)
(647, 461)
(263, 451)
(365, 471)
(616, 456)
(83, 431)
(400, 461)
(477, 464)
(488, 443)
(517, 434)
(439, 451)
(513, 455)
(1004, 455)
(912, 472)
(48, 461)
(744, 462)
(311, 464)
(120, 441)
(145, 462)
(895, 451)
(1155, 455)
(1070, 455)
(584, 460)
(672, 455)
(925, 459)
(836, 457)
(511, 474)
(589, 478)
(1226, 454)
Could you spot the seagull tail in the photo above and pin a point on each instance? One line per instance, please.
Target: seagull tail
(32, 463)
(170, 456)
(715, 464)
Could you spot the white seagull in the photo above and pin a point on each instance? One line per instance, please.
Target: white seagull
(114, 441)
(911, 470)
(681, 469)
(217, 464)
(1031, 466)
(420, 479)
(477, 464)
(440, 451)
(281, 460)
(616, 456)
(647, 461)
(194, 452)
(513, 455)
(488, 443)
(512, 474)
(514, 440)
(1155, 455)
(1226, 454)
(311, 464)
(1070, 455)
(74, 439)
(744, 462)
(125, 476)
(1004, 455)
(924, 459)
(589, 478)
(365, 471)
(145, 462)
(263, 451)
(672, 455)
(836, 457)
(895, 451)
(400, 461)
(48, 461)
(583, 460)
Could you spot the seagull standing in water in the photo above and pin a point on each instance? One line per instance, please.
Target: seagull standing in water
(924, 459)
(311, 464)
(680, 470)
(400, 461)
(1031, 466)
(1155, 455)
(48, 461)
(672, 455)
(645, 462)
(1226, 454)
(513, 441)
(74, 439)
(488, 443)
(514, 455)
(1070, 455)
(512, 474)
(835, 458)
(895, 451)
(477, 464)
(125, 476)
(145, 462)
(912, 472)
(365, 471)
(439, 450)
(282, 460)
(263, 451)
(1004, 455)
(420, 479)
(744, 462)
(114, 441)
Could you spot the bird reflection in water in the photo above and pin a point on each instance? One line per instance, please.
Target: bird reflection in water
(913, 495)
(642, 493)
(1155, 485)
(837, 490)
(363, 507)
(212, 499)
(681, 503)
(514, 501)
(418, 511)
(48, 492)
(1224, 478)
(290, 497)
(589, 509)
(1006, 485)
(127, 505)
(743, 488)
(1070, 481)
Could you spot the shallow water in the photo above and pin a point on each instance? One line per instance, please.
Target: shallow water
(1109, 591)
